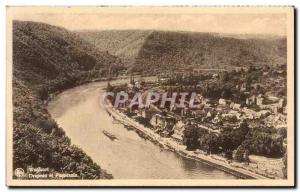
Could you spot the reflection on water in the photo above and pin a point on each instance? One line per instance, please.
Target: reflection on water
(130, 156)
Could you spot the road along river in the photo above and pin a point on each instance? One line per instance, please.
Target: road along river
(78, 112)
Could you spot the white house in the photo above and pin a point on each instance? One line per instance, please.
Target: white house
(222, 101)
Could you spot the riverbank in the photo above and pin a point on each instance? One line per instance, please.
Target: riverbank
(172, 145)
(103, 79)
(33, 121)
(78, 113)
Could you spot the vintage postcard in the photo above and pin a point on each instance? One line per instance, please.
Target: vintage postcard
(150, 96)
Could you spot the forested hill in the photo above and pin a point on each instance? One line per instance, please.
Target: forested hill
(164, 51)
(158, 51)
(43, 53)
(47, 59)
(125, 43)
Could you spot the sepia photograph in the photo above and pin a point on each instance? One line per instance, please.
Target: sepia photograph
(150, 96)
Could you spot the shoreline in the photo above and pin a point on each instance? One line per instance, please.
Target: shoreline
(171, 144)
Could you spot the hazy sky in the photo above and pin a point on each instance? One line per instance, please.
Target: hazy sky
(249, 23)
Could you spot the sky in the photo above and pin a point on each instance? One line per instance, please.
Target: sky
(214, 21)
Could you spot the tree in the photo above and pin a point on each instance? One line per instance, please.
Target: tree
(265, 143)
(282, 131)
(43, 93)
(226, 93)
(225, 76)
(231, 139)
(109, 88)
(244, 127)
(241, 154)
(284, 169)
(190, 137)
(209, 143)
(46, 124)
(228, 154)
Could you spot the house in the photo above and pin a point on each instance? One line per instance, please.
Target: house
(222, 102)
(146, 113)
(209, 114)
(237, 114)
(138, 85)
(157, 120)
(162, 80)
(251, 100)
(217, 119)
(200, 99)
(178, 131)
(235, 106)
(274, 108)
(130, 87)
(263, 113)
(259, 100)
(248, 113)
(284, 110)
(280, 71)
(257, 85)
(215, 76)
(280, 103)
(198, 113)
(229, 117)
(207, 108)
(272, 98)
(162, 122)
(185, 111)
(243, 87)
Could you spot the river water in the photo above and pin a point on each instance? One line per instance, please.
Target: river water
(129, 157)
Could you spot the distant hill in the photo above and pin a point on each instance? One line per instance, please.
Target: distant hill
(125, 44)
(157, 51)
(43, 53)
(48, 59)
(164, 51)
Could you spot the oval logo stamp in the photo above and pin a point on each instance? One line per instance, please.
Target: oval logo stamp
(19, 172)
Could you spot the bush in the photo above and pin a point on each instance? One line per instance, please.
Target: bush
(46, 124)
(59, 132)
(191, 136)
(209, 143)
(43, 93)
(266, 144)
(282, 131)
(241, 154)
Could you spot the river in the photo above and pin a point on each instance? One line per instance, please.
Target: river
(129, 157)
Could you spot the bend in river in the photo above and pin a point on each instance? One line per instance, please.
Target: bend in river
(78, 112)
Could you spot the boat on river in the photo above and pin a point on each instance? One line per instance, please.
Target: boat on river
(109, 135)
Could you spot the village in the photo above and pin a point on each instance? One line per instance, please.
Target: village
(213, 125)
